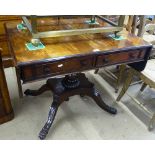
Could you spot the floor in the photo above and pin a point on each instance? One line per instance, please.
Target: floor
(80, 118)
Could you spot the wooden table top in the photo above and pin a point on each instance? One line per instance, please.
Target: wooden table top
(59, 47)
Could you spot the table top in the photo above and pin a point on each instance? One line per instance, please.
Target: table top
(60, 47)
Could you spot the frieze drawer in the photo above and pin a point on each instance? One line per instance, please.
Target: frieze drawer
(42, 70)
(120, 57)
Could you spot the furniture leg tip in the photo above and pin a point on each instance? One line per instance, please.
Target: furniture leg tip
(117, 99)
(81, 95)
(67, 99)
(27, 92)
(113, 111)
(116, 90)
(41, 136)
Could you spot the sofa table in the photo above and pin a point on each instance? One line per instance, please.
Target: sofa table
(68, 57)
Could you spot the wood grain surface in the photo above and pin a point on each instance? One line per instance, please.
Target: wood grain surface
(66, 46)
(6, 111)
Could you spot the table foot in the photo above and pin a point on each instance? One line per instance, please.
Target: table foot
(98, 100)
(49, 122)
(36, 92)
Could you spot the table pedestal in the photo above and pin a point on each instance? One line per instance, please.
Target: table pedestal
(63, 88)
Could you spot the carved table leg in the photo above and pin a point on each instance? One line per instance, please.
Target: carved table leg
(98, 100)
(51, 116)
(20, 90)
(37, 92)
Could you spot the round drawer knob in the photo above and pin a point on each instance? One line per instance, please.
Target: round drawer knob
(105, 60)
(131, 55)
(83, 63)
(47, 69)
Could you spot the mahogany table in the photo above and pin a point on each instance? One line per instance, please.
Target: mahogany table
(70, 56)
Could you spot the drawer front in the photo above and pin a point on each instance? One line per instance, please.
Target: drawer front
(121, 57)
(38, 71)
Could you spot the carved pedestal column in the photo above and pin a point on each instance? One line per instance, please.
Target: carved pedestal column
(63, 88)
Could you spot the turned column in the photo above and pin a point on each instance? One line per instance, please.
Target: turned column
(6, 111)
